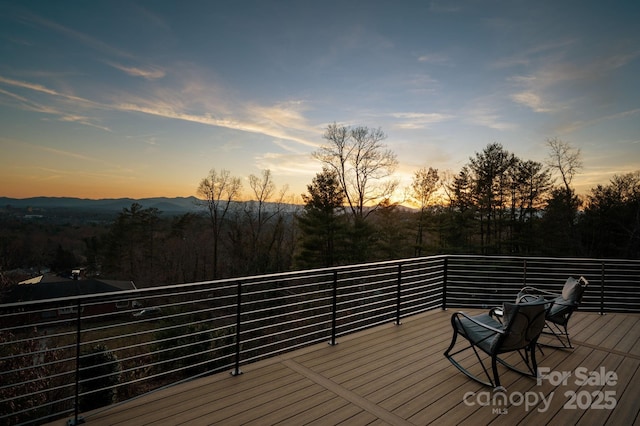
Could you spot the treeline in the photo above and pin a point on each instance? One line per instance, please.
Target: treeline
(496, 204)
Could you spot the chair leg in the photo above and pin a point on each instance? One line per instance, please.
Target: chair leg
(529, 359)
(494, 367)
(534, 361)
(450, 357)
(560, 334)
(453, 342)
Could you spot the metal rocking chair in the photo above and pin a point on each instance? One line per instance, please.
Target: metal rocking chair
(519, 331)
(559, 309)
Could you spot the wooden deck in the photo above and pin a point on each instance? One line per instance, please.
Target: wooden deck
(397, 375)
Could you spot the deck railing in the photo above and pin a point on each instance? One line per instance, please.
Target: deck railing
(62, 357)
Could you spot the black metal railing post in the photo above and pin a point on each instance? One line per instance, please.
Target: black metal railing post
(334, 313)
(236, 370)
(76, 409)
(398, 294)
(602, 290)
(444, 284)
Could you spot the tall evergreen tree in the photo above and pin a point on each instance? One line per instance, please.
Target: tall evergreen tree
(322, 223)
(489, 169)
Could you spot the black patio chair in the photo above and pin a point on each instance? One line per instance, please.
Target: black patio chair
(518, 332)
(559, 309)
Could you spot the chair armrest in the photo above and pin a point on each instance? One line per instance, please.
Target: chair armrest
(497, 312)
(528, 290)
(475, 321)
(564, 303)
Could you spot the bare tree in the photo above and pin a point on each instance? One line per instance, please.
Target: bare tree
(424, 185)
(218, 191)
(562, 207)
(362, 163)
(565, 159)
(266, 219)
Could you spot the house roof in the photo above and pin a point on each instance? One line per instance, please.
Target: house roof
(52, 287)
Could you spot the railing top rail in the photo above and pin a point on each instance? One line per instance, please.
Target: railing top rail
(220, 283)
(543, 258)
(142, 292)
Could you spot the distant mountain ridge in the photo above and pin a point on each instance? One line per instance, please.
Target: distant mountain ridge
(165, 204)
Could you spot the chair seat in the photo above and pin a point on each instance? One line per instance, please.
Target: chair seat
(558, 309)
(483, 337)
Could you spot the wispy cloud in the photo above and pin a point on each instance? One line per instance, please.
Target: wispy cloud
(28, 104)
(87, 121)
(571, 126)
(538, 90)
(260, 126)
(482, 114)
(78, 36)
(418, 120)
(544, 51)
(435, 58)
(149, 73)
(279, 121)
(107, 171)
(99, 167)
(531, 100)
(27, 85)
(42, 89)
(64, 153)
(287, 164)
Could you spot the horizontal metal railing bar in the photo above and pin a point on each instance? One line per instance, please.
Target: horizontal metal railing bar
(39, 352)
(55, 375)
(155, 342)
(355, 329)
(46, 404)
(286, 297)
(165, 350)
(364, 288)
(412, 296)
(277, 352)
(264, 351)
(201, 363)
(344, 306)
(360, 313)
(166, 361)
(31, 394)
(293, 321)
(421, 308)
(163, 306)
(174, 316)
(279, 343)
(46, 325)
(248, 293)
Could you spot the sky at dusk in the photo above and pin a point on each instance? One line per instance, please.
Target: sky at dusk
(109, 99)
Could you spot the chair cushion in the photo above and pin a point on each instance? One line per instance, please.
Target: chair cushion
(524, 323)
(477, 334)
(571, 290)
(558, 309)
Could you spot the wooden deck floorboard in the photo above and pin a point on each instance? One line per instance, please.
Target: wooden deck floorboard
(397, 374)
